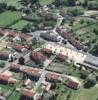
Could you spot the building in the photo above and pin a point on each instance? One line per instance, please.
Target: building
(74, 84)
(4, 78)
(28, 94)
(33, 73)
(62, 57)
(49, 37)
(2, 32)
(4, 55)
(46, 51)
(13, 34)
(46, 86)
(37, 57)
(27, 82)
(25, 36)
(67, 17)
(70, 38)
(15, 67)
(52, 77)
(28, 18)
(18, 47)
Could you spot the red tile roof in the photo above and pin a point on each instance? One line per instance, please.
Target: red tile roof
(4, 54)
(13, 34)
(15, 66)
(45, 50)
(7, 78)
(37, 56)
(70, 38)
(73, 84)
(4, 77)
(28, 93)
(18, 47)
(2, 32)
(32, 70)
(25, 36)
(52, 75)
(61, 56)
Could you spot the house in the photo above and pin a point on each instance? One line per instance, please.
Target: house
(62, 57)
(46, 86)
(33, 73)
(28, 94)
(25, 36)
(13, 34)
(4, 55)
(2, 32)
(15, 67)
(46, 51)
(37, 57)
(28, 18)
(27, 82)
(74, 84)
(70, 38)
(49, 37)
(67, 16)
(4, 78)
(52, 77)
(18, 47)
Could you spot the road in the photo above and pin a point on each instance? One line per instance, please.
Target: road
(5, 68)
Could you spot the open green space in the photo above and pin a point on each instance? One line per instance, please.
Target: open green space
(8, 18)
(45, 2)
(87, 94)
(12, 2)
(6, 87)
(15, 96)
(20, 25)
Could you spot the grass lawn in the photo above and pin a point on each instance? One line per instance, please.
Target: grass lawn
(6, 87)
(12, 2)
(87, 94)
(20, 25)
(32, 64)
(8, 17)
(15, 96)
(45, 2)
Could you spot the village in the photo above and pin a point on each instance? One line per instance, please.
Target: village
(46, 53)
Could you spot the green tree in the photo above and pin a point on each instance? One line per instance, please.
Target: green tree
(71, 2)
(21, 60)
(90, 81)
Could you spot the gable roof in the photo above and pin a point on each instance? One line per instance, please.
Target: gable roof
(52, 75)
(18, 47)
(70, 38)
(37, 56)
(28, 93)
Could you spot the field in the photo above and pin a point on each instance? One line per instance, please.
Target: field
(20, 25)
(12, 2)
(45, 2)
(87, 94)
(15, 96)
(8, 18)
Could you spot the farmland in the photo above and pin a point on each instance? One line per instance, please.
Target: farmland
(8, 18)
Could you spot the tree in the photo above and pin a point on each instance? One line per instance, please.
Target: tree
(85, 4)
(90, 81)
(27, 28)
(12, 8)
(3, 7)
(29, 2)
(71, 2)
(21, 60)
